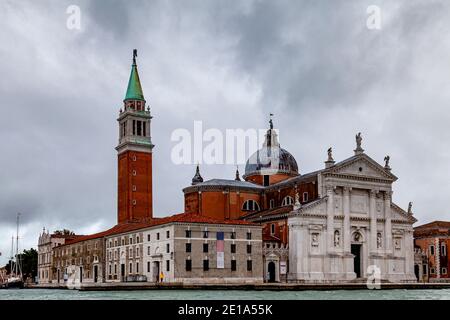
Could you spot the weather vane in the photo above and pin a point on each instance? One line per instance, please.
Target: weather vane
(134, 56)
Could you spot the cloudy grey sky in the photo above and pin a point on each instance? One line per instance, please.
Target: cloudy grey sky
(228, 63)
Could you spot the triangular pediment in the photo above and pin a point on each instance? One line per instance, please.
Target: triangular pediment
(317, 207)
(361, 165)
(399, 214)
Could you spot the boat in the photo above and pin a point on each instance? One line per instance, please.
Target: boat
(15, 280)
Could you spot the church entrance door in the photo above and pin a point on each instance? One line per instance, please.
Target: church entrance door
(271, 270)
(356, 251)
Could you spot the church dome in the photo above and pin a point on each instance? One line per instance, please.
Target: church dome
(271, 159)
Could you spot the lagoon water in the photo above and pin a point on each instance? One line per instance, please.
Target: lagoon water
(58, 294)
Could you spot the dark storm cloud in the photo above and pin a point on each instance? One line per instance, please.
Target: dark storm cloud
(313, 63)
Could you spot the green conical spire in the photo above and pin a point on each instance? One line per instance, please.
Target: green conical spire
(134, 90)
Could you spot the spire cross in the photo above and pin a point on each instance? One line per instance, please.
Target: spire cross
(271, 121)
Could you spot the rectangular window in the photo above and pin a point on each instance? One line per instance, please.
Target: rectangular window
(131, 267)
(134, 127)
(272, 203)
(432, 250)
(233, 235)
(233, 248)
(205, 265)
(148, 237)
(188, 265)
(167, 234)
(249, 235)
(139, 128)
(205, 234)
(167, 265)
(167, 248)
(266, 180)
(148, 266)
(205, 247)
(305, 196)
(249, 265)
(157, 236)
(443, 250)
(188, 233)
(115, 268)
(249, 248)
(144, 129)
(233, 265)
(432, 271)
(137, 267)
(272, 228)
(148, 250)
(444, 271)
(188, 247)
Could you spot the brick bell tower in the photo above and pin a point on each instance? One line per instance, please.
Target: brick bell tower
(134, 154)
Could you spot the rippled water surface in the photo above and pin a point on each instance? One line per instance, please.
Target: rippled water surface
(58, 294)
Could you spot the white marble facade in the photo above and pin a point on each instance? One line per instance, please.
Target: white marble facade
(353, 226)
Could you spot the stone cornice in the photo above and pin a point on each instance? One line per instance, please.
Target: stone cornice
(355, 177)
(220, 188)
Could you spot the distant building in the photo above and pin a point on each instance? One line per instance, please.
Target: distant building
(3, 274)
(80, 259)
(46, 243)
(186, 248)
(434, 239)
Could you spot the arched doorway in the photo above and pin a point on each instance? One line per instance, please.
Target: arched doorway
(271, 270)
(357, 252)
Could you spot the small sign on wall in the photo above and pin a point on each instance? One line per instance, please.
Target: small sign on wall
(283, 268)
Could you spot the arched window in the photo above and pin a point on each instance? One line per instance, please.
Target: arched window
(287, 201)
(250, 205)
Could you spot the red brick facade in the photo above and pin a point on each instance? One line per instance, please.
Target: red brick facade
(134, 186)
(434, 239)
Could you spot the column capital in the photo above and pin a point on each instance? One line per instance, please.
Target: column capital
(373, 192)
(388, 195)
(347, 190)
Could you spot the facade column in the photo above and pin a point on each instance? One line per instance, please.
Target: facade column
(346, 206)
(388, 225)
(330, 219)
(373, 221)
(437, 256)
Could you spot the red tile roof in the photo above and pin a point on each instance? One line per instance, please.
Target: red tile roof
(434, 224)
(180, 218)
(432, 229)
(268, 212)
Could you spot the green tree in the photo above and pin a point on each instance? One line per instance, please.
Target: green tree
(29, 260)
(64, 232)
